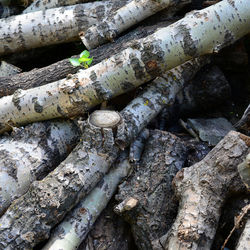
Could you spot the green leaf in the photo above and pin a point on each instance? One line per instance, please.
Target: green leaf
(84, 59)
(75, 62)
(85, 53)
(90, 61)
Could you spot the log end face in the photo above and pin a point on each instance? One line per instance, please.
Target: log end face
(105, 118)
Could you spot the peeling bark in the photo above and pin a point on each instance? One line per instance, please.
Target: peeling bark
(151, 184)
(196, 34)
(53, 26)
(59, 70)
(202, 190)
(30, 218)
(45, 4)
(125, 17)
(30, 153)
(73, 230)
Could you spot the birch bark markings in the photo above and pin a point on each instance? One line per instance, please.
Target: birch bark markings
(30, 153)
(53, 26)
(30, 218)
(200, 32)
(125, 17)
(45, 4)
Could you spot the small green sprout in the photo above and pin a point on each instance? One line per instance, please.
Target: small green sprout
(83, 60)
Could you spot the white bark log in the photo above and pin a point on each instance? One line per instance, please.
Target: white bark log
(124, 18)
(199, 33)
(30, 153)
(30, 218)
(45, 4)
(7, 69)
(72, 231)
(244, 241)
(53, 26)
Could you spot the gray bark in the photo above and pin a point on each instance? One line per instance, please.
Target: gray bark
(59, 70)
(127, 16)
(53, 26)
(7, 69)
(45, 4)
(202, 190)
(144, 60)
(244, 240)
(244, 171)
(30, 218)
(244, 123)
(110, 232)
(73, 230)
(151, 184)
(30, 153)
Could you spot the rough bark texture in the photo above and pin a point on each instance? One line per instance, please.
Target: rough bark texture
(45, 4)
(199, 33)
(73, 230)
(124, 18)
(30, 218)
(151, 184)
(202, 190)
(59, 70)
(53, 26)
(110, 232)
(30, 153)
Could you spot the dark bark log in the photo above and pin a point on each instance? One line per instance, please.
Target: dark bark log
(110, 232)
(244, 171)
(59, 70)
(151, 185)
(202, 190)
(244, 123)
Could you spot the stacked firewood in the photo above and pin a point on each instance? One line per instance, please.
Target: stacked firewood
(69, 136)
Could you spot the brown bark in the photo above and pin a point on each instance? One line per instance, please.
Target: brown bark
(59, 70)
(202, 190)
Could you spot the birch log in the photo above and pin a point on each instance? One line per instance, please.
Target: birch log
(199, 33)
(125, 17)
(53, 26)
(73, 230)
(30, 218)
(30, 153)
(45, 4)
(202, 190)
(59, 70)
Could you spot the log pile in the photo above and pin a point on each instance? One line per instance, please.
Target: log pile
(147, 146)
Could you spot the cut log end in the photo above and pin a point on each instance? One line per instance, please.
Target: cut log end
(105, 118)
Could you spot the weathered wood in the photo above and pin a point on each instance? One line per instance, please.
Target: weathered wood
(53, 26)
(59, 70)
(30, 153)
(127, 16)
(151, 185)
(144, 60)
(45, 4)
(73, 230)
(30, 218)
(202, 190)
(110, 231)
(244, 171)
